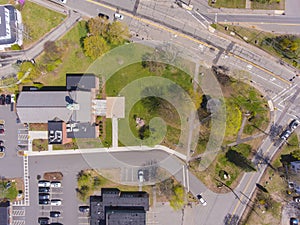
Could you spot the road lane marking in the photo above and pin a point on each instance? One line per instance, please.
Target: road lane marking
(186, 37)
(197, 19)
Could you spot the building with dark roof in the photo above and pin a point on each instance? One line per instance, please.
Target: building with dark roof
(114, 207)
(5, 212)
(10, 27)
(68, 110)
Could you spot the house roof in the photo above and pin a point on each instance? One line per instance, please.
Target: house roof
(81, 81)
(42, 106)
(125, 216)
(8, 33)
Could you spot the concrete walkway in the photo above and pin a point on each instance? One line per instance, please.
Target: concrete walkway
(114, 132)
(248, 4)
(118, 149)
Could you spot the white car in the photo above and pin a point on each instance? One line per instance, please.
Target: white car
(201, 200)
(63, 1)
(118, 16)
(13, 98)
(44, 183)
(55, 184)
(141, 176)
(55, 202)
(294, 124)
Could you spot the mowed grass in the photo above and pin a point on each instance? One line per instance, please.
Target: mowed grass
(272, 5)
(38, 21)
(74, 60)
(228, 4)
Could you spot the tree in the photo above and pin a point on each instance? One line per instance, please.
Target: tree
(296, 154)
(98, 26)
(118, 33)
(177, 200)
(95, 46)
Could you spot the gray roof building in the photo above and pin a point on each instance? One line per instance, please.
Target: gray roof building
(10, 26)
(5, 213)
(114, 207)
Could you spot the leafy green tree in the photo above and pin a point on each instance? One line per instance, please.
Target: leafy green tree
(118, 33)
(95, 46)
(177, 200)
(296, 154)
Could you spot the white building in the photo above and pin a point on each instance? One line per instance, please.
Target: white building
(10, 27)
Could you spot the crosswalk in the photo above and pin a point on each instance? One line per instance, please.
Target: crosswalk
(26, 179)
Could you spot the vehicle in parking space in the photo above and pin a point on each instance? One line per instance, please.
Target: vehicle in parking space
(141, 176)
(8, 99)
(55, 224)
(103, 16)
(2, 99)
(2, 131)
(84, 208)
(294, 124)
(44, 189)
(43, 196)
(285, 135)
(118, 16)
(201, 200)
(1, 143)
(54, 214)
(44, 183)
(296, 199)
(294, 221)
(55, 184)
(43, 220)
(55, 202)
(44, 202)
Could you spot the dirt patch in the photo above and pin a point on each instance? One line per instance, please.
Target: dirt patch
(53, 176)
(38, 127)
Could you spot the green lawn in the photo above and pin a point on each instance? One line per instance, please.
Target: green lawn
(272, 5)
(228, 4)
(34, 26)
(9, 193)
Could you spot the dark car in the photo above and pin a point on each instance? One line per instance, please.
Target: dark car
(294, 124)
(54, 214)
(103, 16)
(43, 196)
(2, 99)
(44, 189)
(56, 224)
(2, 131)
(43, 220)
(294, 221)
(84, 208)
(2, 148)
(8, 99)
(297, 199)
(44, 202)
(1, 143)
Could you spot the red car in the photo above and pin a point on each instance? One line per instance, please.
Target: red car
(1, 131)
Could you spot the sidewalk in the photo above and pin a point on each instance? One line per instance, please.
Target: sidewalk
(245, 11)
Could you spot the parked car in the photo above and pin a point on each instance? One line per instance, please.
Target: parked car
(8, 99)
(141, 176)
(1, 143)
(201, 200)
(44, 202)
(294, 124)
(44, 189)
(285, 135)
(84, 208)
(294, 221)
(2, 131)
(13, 98)
(2, 149)
(118, 16)
(43, 220)
(103, 16)
(56, 224)
(44, 196)
(55, 184)
(297, 199)
(54, 214)
(2, 99)
(44, 183)
(55, 202)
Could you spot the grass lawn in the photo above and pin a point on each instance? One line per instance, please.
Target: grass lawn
(74, 60)
(40, 145)
(228, 4)
(255, 37)
(273, 5)
(9, 193)
(34, 26)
